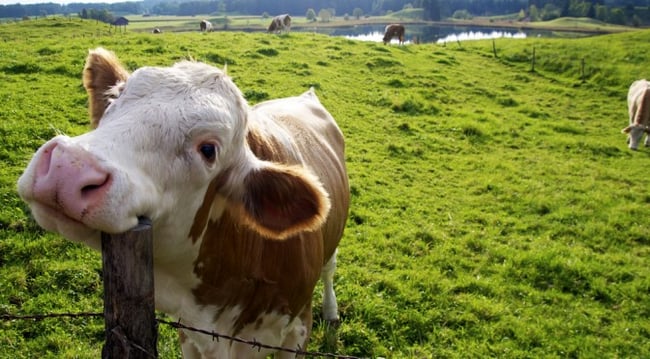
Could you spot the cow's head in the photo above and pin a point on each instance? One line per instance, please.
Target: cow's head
(167, 144)
(634, 132)
(273, 26)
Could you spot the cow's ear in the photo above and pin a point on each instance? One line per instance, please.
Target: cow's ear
(102, 71)
(626, 129)
(281, 201)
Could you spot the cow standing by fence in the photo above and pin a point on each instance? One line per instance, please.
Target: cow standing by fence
(280, 23)
(248, 204)
(638, 103)
(394, 30)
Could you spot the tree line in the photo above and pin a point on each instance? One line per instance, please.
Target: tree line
(630, 12)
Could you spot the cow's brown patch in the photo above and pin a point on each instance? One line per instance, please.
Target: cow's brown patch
(202, 215)
(237, 267)
(265, 148)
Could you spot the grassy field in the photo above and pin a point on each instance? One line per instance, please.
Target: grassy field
(496, 211)
(258, 23)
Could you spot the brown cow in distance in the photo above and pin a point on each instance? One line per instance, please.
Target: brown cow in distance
(394, 30)
(279, 23)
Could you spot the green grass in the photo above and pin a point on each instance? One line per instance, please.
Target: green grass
(583, 23)
(496, 211)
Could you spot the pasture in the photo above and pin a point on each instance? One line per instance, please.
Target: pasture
(496, 211)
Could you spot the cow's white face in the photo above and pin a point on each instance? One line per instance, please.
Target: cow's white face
(635, 133)
(162, 137)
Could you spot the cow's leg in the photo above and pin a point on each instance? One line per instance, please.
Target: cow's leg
(298, 338)
(188, 348)
(330, 308)
(647, 140)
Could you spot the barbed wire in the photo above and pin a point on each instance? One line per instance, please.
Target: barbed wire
(7, 317)
(254, 343)
(177, 325)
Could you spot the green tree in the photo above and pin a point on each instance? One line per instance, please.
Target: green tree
(357, 12)
(462, 15)
(550, 12)
(431, 10)
(616, 16)
(522, 15)
(578, 8)
(533, 13)
(602, 12)
(311, 15)
(324, 15)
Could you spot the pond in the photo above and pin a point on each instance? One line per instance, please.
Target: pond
(440, 34)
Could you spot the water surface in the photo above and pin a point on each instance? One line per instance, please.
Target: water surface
(440, 34)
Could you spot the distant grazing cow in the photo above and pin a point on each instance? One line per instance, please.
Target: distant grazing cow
(280, 23)
(205, 25)
(247, 204)
(156, 31)
(638, 103)
(394, 30)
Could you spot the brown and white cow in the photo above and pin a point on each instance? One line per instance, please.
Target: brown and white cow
(638, 104)
(205, 26)
(280, 23)
(394, 30)
(248, 204)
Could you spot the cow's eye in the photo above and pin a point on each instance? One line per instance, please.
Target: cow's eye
(209, 151)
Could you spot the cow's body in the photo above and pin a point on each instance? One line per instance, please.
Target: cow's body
(247, 204)
(394, 30)
(280, 23)
(205, 26)
(638, 103)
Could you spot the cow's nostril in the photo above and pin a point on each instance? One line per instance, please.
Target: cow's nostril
(89, 189)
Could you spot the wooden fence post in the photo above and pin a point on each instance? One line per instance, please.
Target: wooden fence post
(532, 69)
(129, 307)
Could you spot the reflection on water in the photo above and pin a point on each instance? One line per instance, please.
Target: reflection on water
(439, 34)
(377, 36)
(374, 36)
(479, 35)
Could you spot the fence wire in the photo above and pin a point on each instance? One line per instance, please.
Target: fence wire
(177, 325)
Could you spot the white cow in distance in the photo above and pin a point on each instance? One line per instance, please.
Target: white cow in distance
(248, 204)
(638, 103)
(205, 26)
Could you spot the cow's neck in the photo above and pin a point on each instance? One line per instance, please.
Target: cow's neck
(236, 276)
(238, 268)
